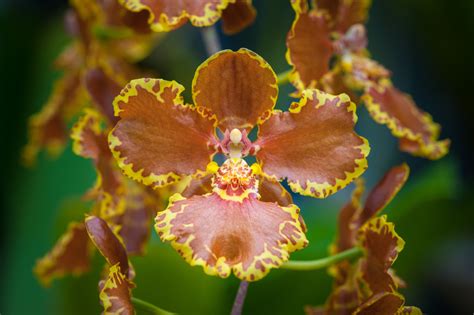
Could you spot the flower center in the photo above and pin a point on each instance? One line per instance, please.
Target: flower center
(236, 144)
(235, 180)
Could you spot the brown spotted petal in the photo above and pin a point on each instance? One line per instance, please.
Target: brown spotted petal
(70, 255)
(309, 49)
(166, 15)
(238, 16)
(382, 245)
(107, 243)
(48, 128)
(158, 139)
(247, 238)
(115, 292)
(416, 129)
(239, 87)
(314, 145)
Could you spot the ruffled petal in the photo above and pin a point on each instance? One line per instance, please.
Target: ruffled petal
(382, 245)
(419, 134)
(166, 15)
(314, 145)
(230, 230)
(238, 16)
(309, 49)
(247, 238)
(239, 87)
(158, 139)
(70, 255)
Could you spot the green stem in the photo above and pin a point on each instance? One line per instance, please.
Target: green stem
(323, 262)
(148, 307)
(284, 77)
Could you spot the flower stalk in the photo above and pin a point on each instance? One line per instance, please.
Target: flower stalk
(325, 262)
(240, 298)
(148, 307)
(211, 40)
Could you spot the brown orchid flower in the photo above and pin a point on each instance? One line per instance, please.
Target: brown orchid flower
(369, 285)
(246, 224)
(332, 30)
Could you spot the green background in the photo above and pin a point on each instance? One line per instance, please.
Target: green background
(424, 43)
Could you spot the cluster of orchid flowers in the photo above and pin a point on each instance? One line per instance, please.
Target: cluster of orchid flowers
(154, 154)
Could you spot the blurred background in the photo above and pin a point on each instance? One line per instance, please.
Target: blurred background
(426, 45)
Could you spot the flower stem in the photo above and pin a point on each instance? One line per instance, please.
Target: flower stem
(148, 307)
(211, 40)
(240, 298)
(284, 77)
(323, 262)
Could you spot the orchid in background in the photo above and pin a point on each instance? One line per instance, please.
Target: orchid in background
(368, 285)
(327, 48)
(108, 40)
(126, 206)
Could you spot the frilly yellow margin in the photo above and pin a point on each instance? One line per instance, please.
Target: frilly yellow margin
(90, 118)
(153, 180)
(47, 262)
(164, 23)
(322, 190)
(380, 225)
(433, 149)
(267, 259)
